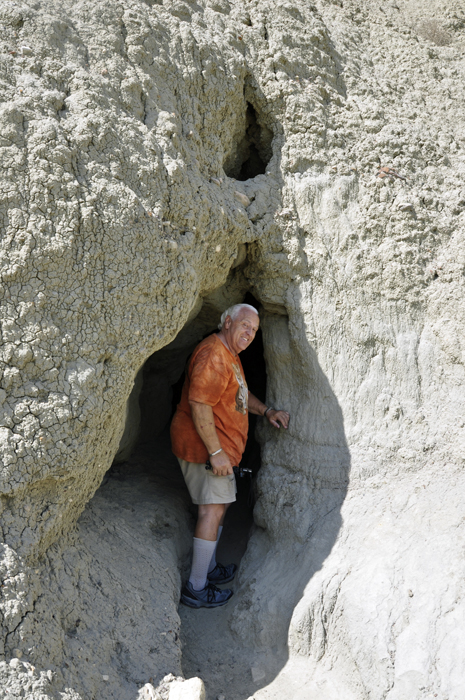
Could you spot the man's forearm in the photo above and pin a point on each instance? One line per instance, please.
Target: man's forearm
(204, 422)
(256, 406)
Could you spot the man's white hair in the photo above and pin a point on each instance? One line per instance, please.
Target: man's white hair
(234, 312)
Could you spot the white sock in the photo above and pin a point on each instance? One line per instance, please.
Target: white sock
(213, 559)
(201, 557)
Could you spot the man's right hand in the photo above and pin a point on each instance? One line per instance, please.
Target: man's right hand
(221, 466)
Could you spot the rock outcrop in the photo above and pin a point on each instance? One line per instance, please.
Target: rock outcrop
(154, 152)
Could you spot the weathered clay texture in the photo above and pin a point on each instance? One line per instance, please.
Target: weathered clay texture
(123, 126)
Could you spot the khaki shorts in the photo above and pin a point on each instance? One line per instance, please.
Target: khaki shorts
(204, 487)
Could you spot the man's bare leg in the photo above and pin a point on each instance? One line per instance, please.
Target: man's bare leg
(210, 517)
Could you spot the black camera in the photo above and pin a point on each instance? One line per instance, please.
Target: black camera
(238, 471)
(242, 471)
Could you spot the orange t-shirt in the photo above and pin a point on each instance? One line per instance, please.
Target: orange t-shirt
(216, 378)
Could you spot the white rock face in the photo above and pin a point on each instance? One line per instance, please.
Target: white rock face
(143, 145)
(193, 689)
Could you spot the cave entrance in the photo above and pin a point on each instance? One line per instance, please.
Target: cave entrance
(252, 150)
(158, 387)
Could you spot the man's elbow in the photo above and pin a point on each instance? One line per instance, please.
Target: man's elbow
(196, 405)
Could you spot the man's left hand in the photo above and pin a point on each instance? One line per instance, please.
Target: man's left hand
(278, 418)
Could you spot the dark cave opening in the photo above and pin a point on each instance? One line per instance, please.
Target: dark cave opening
(160, 385)
(253, 362)
(251, 154)
(253, 166)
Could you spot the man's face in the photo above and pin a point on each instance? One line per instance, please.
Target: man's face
(241, 331)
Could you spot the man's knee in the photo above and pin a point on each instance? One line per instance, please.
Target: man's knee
(213, 511)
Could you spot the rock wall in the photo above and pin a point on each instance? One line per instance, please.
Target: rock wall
(377, 266)
(143, 144)
(112, 229)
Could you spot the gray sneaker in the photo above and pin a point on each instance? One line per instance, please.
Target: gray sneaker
(208, 597)
(222, 574)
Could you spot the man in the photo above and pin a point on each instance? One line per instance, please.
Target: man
(211, 423)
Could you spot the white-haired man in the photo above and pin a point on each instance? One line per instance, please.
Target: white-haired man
(211, 423)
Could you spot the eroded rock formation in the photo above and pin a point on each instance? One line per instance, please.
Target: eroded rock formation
(156, 152)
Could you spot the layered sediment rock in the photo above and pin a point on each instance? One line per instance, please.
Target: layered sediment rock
(143, 145)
